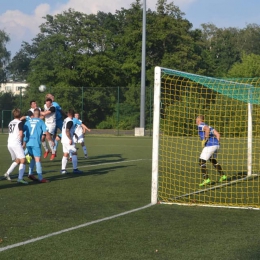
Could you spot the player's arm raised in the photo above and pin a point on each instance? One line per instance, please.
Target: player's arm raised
(45, 113)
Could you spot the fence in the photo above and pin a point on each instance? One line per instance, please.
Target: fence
(115, 109)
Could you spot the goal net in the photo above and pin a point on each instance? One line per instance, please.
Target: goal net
(231, 107)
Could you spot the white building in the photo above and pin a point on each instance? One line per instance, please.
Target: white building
(14, 87)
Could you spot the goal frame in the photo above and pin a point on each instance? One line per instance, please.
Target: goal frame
(156, 137)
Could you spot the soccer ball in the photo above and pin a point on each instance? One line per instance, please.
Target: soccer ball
(42, 88)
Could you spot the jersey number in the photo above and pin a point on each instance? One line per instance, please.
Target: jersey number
(33, 127)
(11, 128)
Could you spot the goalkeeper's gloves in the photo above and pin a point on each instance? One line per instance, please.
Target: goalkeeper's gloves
(204, 142)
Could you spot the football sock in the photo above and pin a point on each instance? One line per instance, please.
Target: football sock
(219, 169)
(45, 146)
(25, 151)
(39, 170)
(11, 168)
(85, 150)
(56, 143)
(64, 162)
(52, 147)
(75, 161)
(31, 166)
(21, 171)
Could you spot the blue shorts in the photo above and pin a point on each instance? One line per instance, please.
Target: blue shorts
(59, 124)
(34, 151)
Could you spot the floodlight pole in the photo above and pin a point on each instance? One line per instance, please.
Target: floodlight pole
(142, 99)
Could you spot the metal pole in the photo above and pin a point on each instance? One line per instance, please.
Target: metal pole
(142, 101)
(150, 111)
(2, 121)
(20, 88)
(117, 110)
(82, 102)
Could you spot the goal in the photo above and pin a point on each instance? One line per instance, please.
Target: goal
(231, 106)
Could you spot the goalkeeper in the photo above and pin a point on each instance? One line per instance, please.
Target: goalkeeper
(210, 141)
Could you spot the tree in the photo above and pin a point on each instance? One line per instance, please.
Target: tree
(19, 67)
(249, 38)
(222, 48)
(249, 67)
(4, 55)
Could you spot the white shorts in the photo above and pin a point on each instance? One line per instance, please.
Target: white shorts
(78, 140)
(209, 152)
(51, 128)
(16, 151)
(69, 148)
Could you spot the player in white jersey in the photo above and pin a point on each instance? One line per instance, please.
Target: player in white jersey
(15, 140)
(33, 105)
(50, 121)
(68, 144)
(78, 137)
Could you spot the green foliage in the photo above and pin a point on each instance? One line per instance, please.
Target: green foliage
(100, 52)
(249, 67)
(4, 55)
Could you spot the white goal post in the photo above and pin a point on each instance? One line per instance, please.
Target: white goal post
(177, 182)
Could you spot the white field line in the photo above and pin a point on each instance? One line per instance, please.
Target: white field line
(72, 228)
(208, 205)
(217, 186)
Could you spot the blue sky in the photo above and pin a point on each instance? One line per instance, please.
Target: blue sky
(21, 18)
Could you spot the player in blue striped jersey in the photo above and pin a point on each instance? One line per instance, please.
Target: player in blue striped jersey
(210, 140)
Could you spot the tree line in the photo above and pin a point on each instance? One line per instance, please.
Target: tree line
(102, 52)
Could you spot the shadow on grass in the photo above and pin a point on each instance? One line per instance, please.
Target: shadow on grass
(237, 176)
(70, 175)
(252, 252)
(60, 177)
(92, 160)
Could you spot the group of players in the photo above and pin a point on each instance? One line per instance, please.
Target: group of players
(31, 131)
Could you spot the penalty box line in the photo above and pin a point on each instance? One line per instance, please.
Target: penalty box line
(73, 228)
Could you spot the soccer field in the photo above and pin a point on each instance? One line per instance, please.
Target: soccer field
(92, 213)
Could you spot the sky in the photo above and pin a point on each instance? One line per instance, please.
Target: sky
(20, 19)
